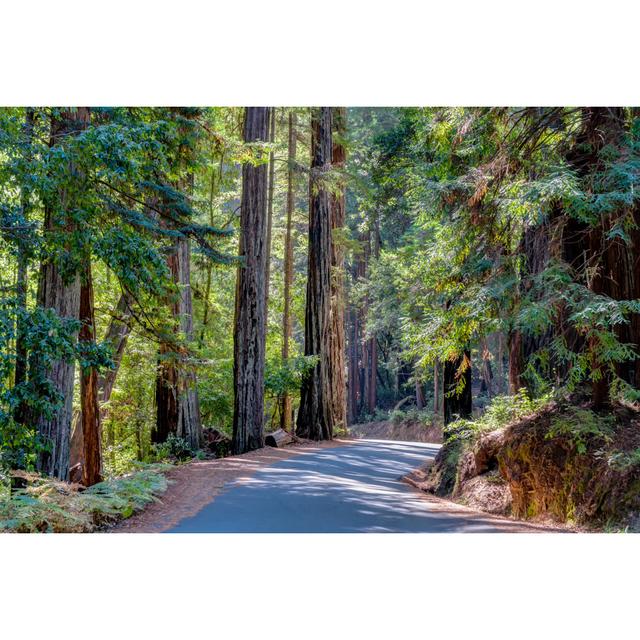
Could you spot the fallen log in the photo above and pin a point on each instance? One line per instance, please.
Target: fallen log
(278, 438)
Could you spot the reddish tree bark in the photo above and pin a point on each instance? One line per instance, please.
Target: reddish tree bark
(336, 333)
(285, 409)
(271, 190)
(89, 409)
(250, 314)
(315, 416)
(60, 291)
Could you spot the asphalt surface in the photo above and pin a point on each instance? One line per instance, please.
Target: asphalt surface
(353, 488)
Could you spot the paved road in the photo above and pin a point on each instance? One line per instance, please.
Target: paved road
(352, 488)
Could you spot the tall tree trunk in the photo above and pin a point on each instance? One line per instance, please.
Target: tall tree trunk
(60, 292)
(457, 404)
(315, 417)
(272, 137)
(365, 371)
(177, 406)
(250, 315)
(336, 331)
(372, 396)
(372, 385)
(354, 366)
(22, 277)
(90, 412)
(285, 410)
(215, 186)
(436, 387)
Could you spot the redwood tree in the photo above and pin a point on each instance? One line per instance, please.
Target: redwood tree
(315, 416)
(285, 410)
(250, 312)
(336, 333)
(59, 289)
(177, 405)
(90, 412)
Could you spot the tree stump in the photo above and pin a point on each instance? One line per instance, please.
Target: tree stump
(278, 438)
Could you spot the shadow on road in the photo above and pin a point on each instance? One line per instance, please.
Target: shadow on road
(354, 488)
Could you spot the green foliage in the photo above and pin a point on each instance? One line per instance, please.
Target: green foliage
(19, 445)
(286, 376)
(174, 448)
(623, 460)
(50, 506)
(502, 411)
(579, 425)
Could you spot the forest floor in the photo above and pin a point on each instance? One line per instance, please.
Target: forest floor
(195, 484)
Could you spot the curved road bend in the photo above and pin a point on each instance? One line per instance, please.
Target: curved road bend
(352, 488)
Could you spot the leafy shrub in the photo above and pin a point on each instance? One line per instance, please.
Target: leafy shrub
(286, 376)
(579, 425)
(47, 505)
(18, 446)
(502, 411)
(175, 447)
(622, 460)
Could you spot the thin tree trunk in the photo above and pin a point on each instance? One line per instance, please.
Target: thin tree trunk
(116, 338)
(62, 294)
(336, 331)
(354, 377)
(500, 363)
(420, 400)
(516, 364)
(372, 398)
(272, 137)
(90, 413)
(486, 372)
(207, 290)
(365, 394)
(436, 388)
(285, 412)
(250, 314)
(315, 416)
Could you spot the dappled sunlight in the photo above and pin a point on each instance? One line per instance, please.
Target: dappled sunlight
(350, 488)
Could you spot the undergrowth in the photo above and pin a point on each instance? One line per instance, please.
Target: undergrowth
(578, 424)
(47, 505)
(502, 411)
